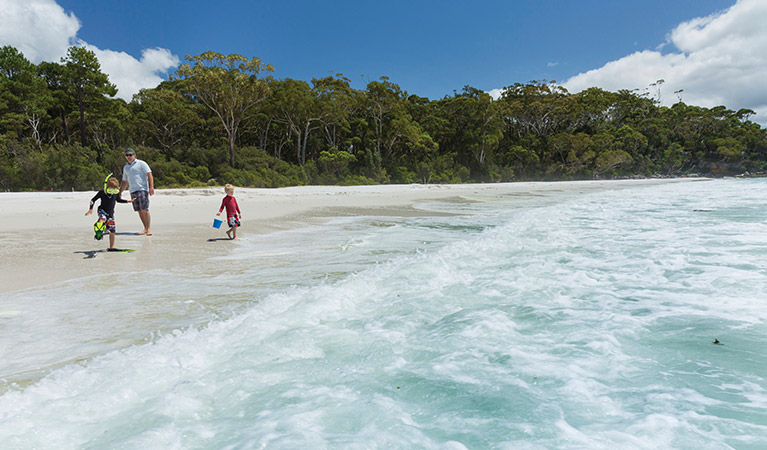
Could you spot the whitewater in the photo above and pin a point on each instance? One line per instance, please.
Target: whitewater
(633, 318)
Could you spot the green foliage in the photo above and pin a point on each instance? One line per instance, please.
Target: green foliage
(165, 118)
(221, 120)
(84, 83)
(335, 161)
(175, 174)
(256, 168)
(64, 167)
(355, 180)
(228, 85)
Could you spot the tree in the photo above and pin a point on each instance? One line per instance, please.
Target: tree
(597, 109)
(729, 148)
(393, 126)
(53, 74)
(610, 155)
(339, 101)
(229, 85)
(85, 82)
(335, 161)
(384, 101)
(24, 97)
(299, 108)
(108, 124)
(476, 126)
(574, 152)
(537, 108)
(166, 115)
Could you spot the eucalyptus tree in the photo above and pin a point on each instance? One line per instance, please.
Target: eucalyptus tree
(384, 101)
(298, 107)
(339, 101)
(393, 126)
(109, 125)
(597, 109)
(24, 97)
(533, 113)
(616, 149)
(229, 85)
(536, 108)
(476, 126)
(574, 154)
(632, 107)
(166, 116)
(85, 82)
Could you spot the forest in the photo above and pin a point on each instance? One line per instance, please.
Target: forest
(225, 119)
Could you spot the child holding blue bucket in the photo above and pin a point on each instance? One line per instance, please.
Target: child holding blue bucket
(233, 213)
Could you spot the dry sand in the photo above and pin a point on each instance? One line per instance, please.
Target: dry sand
(45, 236)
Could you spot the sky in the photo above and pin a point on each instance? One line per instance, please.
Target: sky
(708, 52)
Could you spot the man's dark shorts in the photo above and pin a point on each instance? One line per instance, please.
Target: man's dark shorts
(140, 200)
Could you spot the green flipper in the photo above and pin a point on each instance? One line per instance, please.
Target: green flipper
(99, 228)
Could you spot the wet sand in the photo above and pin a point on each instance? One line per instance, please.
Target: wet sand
(46, 238)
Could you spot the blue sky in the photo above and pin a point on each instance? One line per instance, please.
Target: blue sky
(430, 48)
(709, 52)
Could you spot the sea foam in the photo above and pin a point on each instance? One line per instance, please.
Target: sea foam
(583, 322)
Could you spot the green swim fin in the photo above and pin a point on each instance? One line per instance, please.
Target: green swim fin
(99, 228)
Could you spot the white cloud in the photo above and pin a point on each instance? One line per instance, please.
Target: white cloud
(130, 74)
(43, 31)
(40, 29)
(495, 93)
(721, 60)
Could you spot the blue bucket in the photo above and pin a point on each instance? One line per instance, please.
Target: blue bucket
(217, 223)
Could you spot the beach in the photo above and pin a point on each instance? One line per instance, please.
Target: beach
(45, 237)
(596, 314)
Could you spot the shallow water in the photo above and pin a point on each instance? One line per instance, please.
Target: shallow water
(569, 322)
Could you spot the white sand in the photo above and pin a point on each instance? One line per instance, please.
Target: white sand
(45, 236)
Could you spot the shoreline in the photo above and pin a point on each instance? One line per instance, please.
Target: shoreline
(45, 237)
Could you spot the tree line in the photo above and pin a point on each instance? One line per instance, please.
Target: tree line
(224, 119)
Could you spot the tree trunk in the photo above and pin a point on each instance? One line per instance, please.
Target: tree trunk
(82, 120)
(231, 151)
(65, 126)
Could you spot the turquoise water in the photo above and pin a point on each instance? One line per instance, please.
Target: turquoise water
(564, 322)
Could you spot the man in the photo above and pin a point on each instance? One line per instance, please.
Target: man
(138, 176)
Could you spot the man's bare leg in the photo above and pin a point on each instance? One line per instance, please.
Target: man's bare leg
(146, 220)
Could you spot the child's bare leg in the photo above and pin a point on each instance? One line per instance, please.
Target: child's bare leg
(234, 233)
(111, 240)
(229, 233)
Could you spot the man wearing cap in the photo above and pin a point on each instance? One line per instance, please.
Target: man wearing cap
(138, 176)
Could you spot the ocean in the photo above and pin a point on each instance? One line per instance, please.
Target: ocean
(633, 318)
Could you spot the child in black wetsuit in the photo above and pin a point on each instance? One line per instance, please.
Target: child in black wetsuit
(108, 196)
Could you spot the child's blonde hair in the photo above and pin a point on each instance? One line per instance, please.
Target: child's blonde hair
(112, 183)
(229, 189)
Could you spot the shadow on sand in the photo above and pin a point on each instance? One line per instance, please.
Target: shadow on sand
(92, 253)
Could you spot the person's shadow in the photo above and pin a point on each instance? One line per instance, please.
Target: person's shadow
(218, 239)
(90, 253)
